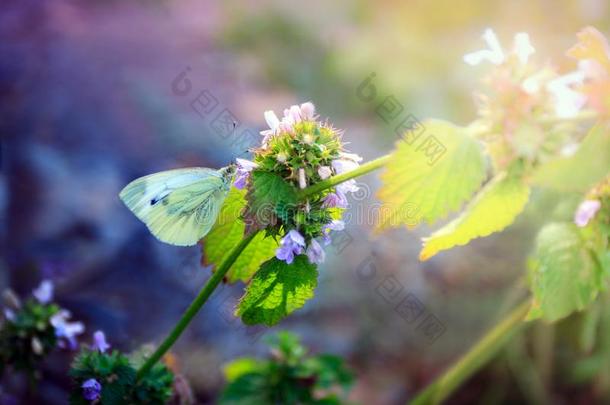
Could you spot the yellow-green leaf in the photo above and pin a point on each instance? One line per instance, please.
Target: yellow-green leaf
(430, 175)
(277, 290)
(579, 172)
(563, 276)
(494, 208)
(227, 232)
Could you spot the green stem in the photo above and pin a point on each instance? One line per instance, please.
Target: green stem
(340, 178)
(481, 353)
(196, 305)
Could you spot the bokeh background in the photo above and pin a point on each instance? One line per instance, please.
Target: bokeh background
(89, 102)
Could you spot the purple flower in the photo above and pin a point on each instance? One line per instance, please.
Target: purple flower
(9, 314)
(44, 292)
(586, 211)
(315, 253)
(335, 200)
(292, 244)
(335, 225)
(91, 389)
(244, 167)
(99, 342)
(66, 330)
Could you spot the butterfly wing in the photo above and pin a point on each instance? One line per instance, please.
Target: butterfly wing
(178, 206)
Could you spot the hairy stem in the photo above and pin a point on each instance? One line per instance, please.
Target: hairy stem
(340, 178)
(196, 305)
(476, 357)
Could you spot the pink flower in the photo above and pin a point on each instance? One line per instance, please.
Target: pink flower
(308, 111)
(586, 211)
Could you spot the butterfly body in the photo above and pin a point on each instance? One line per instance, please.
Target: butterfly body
(179, 206)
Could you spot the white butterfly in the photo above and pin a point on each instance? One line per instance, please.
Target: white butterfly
(179, 206)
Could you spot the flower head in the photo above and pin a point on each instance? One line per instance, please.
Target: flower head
(44, 292)
(92, 389)
(586, 211)
(292, 244)
(66, 330)
(99, 342)
(315, 253)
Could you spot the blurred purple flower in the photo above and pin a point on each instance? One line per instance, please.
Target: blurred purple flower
(66, 330)
(292, 244)
(99, 342)
(308, 111)
(244, 167)
(586, 211)
(9, 314)
(44, 292)
(335, 225)
(335, 200)
(91, 389)
(315, 253)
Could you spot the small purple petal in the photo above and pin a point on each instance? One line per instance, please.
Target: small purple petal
(335, 200)
(296, 237)
(91, 389)
(315, 253)
(99, 342)
(44, 292)
(586, 211)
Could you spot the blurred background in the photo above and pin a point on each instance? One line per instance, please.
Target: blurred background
(96, 93)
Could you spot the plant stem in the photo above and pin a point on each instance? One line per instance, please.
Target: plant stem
(476, 357)
(340, 178)
(196, 305)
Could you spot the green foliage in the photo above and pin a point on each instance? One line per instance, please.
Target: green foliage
(579, 172)
(416, 189)
(227, 232)
(29, 337)
(117, 376)
(268, 190)
(276, 290)
(563, 275)
(494, 208)
(289, 377)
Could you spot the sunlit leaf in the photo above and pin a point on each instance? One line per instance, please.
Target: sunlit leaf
(430, 174)
(494, 208)
(276, 290)
(227, 232)
(242, 366)
(579, 172)
(563, 276)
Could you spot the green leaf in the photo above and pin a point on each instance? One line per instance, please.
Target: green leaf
(579, 172)
(419, 185)
(227, 232)
(494, 208)
(267, 192)
(276, 290)
(241, 366)
(562, 274)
